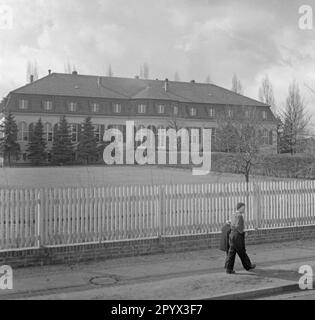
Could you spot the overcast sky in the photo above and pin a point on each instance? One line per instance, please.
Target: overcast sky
(194, 38)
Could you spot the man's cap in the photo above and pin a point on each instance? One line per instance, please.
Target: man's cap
(240, 205)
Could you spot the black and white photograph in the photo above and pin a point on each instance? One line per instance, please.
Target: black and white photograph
(160, 152)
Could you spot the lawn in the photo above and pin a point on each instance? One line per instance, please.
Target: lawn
(104, 176)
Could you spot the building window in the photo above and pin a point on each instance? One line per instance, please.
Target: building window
(211, 112)
(193, 112)
(195, 135)
(213, 135)
(74, 132)
(23, 104)
(161, 108)
(72, 106)
(264, 115)
(48, 132)
(271, 137)
(247, 114)
(161, 137)
(230, 113)
(175, 110)
(97, 131)
(47, 105)
(22, 132)
(117, 108)
(142, 108)
(265, 137)
(95, 107)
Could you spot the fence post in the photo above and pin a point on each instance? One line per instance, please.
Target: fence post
(161, 212)
(40, 218)
(257, 205)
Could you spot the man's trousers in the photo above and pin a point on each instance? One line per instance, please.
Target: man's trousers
(237, 246)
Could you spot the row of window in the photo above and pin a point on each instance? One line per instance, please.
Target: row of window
(95, 107)
(142, 109)
(24, 129)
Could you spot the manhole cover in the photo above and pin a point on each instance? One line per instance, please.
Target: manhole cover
(104, 280)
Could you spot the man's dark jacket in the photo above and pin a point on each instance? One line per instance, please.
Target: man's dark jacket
(224, 243)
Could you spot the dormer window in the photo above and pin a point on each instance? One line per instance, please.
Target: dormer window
(264, 115)
(47, 105)
(95, 107)
(142, 108)
(23, 104)
(193, 112)
(160, 108)
(72, 106)
(211, 112)
(117, 108)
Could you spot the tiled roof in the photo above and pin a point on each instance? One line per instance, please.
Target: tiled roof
(127, 88)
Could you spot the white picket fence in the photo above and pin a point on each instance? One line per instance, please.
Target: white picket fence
(31, 218)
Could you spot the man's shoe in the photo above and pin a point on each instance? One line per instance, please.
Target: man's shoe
(253, 266)
(230, 271)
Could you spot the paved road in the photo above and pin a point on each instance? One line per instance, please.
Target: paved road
(187, 275)
(304, 295)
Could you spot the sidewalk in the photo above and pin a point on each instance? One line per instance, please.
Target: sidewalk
(188, 275)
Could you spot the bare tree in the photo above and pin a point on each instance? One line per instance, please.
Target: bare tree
(141, 75)
(31, 70)
(35, 71)
(145, 71)
(237, 85)
(68, 68)
(241, 134)
(266, 94)
(28, 71)
(208, 79)
(249, 130)
(295, 119)
(110, 71)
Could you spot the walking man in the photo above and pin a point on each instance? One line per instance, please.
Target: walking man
(237, 241)
(224, 242)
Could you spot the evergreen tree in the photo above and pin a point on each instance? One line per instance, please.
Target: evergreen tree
(8, 142)
(37, 144)
(87, 146)
(62, 149)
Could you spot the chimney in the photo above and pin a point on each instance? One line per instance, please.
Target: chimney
(31, 78)
(49, 71)
(192, 81)
(166, 85)
(136, 77)
(75, 73)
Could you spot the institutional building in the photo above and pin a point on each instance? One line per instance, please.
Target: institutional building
(111, 101)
